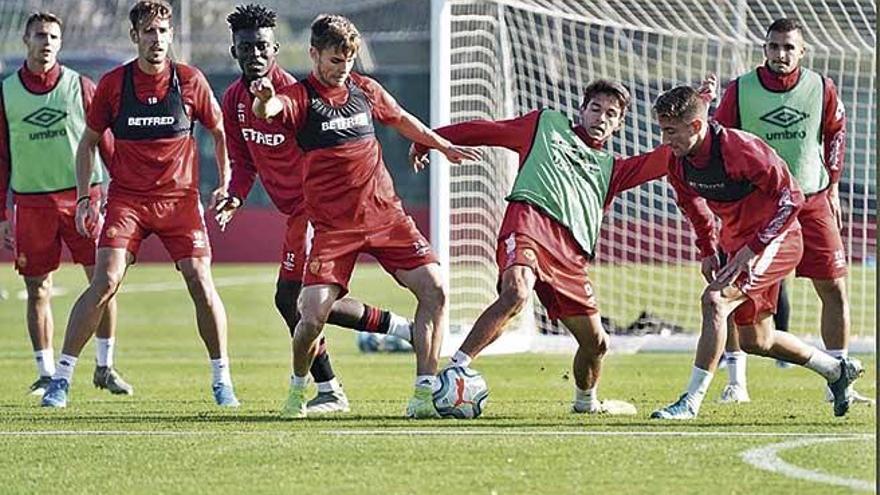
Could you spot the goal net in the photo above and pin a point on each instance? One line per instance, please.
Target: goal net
(496, 59)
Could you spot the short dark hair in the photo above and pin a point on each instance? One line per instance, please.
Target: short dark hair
(680, 103)
(145, 11)
(785, 25)
(41, 16)
(335, 31)
(251, 16)
(607, 87)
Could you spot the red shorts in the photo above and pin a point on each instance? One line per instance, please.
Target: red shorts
(38, 236)
(293, 255)
(824, 257)
(399, 246)
(761, 283)
(178, 222)
(562, 283)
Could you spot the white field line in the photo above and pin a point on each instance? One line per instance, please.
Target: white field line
(588, 433)
(176, 284)
(443, 432)
(767, 458)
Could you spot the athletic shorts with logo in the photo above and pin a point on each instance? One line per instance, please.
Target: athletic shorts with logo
(397, 246)
(560, 267)
(293, 254)
(761, 283)
(39, 232)
(824, 256)
(179, 223)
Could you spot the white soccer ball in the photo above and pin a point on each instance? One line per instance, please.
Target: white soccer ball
(460, 393)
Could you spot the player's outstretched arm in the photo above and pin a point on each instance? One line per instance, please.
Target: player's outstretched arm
(413, 129)
(87, 214)
(266, 104)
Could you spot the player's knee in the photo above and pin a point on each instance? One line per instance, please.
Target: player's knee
(755, 343)
(310, 325)
(711, 301)
(38, 289)
(106, 284)
(831, 291)
(433, 294)
(514, 296)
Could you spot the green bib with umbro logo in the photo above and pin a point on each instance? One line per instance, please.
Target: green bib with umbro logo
(565, 179)
(790, 122)
(44, 132)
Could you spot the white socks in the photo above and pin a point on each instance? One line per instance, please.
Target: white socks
(425, 381)
(220, 371)
(66, 364)
(298, 381)
(837, 353)
(824, 364)
(697, 386)
(736, 368)
(460, 359)
(588, 399)
(329, 386)
(400, 327)
(45, 362)
(104, 351)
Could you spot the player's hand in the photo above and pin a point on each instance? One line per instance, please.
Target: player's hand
(834, 203)
(709, 266)
(225, 209)
(88, 219)
(262, 88)
(709, 87)
(6, 235)
(457, 154)
(418, 157)
(740, 263)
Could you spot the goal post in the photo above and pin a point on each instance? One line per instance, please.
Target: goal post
(496, 59)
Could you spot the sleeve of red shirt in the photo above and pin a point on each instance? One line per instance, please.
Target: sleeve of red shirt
(833, 132)
(100, 113)
(205, 107)
(695, 210)
(727, 113)
(105, 146)
(514, 134)
(4, 159)
(636, 170)
(243, 171)
(385, 107)
(293, 99)
(750, 158)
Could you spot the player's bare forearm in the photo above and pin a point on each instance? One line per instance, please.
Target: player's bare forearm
(223, 169)
(413, 129)
(85, 161)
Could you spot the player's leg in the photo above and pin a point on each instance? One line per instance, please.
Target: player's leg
(40, 327)
(110, 267)
(315, 303)
(356, 315)
(211, 323)
(782, 318)
(427, 284)
(517, 283)
(106, 376)
(37, 255)
(761, 339)
(716, 306)
(593, 342)
(735, 361)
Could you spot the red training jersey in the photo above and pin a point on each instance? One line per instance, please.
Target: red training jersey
(345, 187)
(155, 168)
(43, 83)
(517, 135)
(833, 120)
(257, 147)
(754, 220)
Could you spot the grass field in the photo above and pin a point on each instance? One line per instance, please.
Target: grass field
(169, 438)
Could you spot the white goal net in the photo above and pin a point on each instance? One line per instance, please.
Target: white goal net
(495, 59)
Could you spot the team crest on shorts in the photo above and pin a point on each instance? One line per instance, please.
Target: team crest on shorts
(315, 267)
(529, 254)
(111, 232)
(422, 248)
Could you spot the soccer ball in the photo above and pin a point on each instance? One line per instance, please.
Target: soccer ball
(460, 393)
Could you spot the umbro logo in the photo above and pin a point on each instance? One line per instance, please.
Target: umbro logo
(45, 117)
(784, 116)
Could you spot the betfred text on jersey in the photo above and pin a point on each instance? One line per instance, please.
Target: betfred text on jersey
(258, 137)
(343, 123)
(150, 121)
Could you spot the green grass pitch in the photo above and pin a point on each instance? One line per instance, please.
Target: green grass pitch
(169, 438)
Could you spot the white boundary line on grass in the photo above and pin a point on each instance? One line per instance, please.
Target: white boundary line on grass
(767, 458)
(450, 432)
